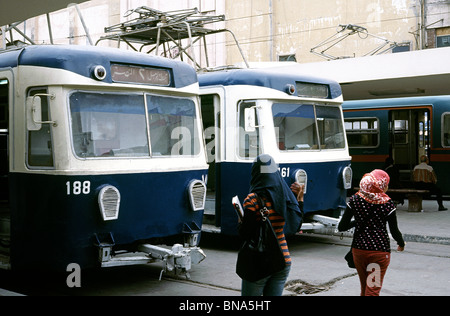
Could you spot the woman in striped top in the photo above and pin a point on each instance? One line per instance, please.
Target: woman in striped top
(267, 187)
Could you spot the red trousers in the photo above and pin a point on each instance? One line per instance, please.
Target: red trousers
(371, 267)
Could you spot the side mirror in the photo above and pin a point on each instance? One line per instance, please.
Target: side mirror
(34, 113)
(250, 119)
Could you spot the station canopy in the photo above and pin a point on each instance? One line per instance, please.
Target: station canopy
(17, 11)
(406, 74)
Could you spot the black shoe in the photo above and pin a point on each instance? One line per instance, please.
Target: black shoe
(441, 208)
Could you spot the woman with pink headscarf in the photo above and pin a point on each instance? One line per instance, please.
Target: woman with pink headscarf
(371, 209)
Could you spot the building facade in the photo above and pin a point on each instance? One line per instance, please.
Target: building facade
(273, 30)
(270, 30)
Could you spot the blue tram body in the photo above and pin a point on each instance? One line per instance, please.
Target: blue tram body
(112, 164)
(401, 128)
(325, 194)
(51, 230)
(296, 119)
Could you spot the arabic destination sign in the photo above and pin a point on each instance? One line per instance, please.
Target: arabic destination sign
(142, 75)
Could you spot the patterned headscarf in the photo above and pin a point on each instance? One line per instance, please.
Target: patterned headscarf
(373, 185)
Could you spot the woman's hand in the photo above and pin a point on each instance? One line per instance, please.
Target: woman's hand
(298, 190)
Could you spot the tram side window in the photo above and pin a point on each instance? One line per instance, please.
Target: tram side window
(106, 125)
(40, 148)
(173, 126)
(295, 126)
(446, 130)
(248, 142)
(401, 128)
(331, 131)
(362, 132)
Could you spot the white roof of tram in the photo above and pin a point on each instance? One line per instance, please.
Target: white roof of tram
(416, 73)
(16, 11)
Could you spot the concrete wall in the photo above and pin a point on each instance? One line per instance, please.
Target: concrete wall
(268, 29)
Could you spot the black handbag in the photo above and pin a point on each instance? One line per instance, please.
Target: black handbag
(260, 255)
(349, 258)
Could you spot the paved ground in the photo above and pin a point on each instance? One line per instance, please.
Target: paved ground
(318, 267)
(426, 224)
(421, 270)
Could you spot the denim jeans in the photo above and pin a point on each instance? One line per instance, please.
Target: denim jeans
(270, 286)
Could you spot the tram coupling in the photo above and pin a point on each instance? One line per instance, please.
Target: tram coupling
(178, 259)
(321, 225)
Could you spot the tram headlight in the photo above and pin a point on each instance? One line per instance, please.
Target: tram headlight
(302, 177)
(99, 72)
(109, 202)
(290, 89)
(197, 194)
(347, 175)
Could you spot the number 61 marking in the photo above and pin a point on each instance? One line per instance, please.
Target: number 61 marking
(78, 187)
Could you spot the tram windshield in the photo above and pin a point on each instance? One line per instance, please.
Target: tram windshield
(307, 126)
(118, 125)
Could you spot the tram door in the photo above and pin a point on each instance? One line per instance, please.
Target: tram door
(210, 104)
(4, 165)
(409, 138)
(4, 171)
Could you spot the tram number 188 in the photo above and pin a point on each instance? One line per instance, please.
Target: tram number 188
(78, 187)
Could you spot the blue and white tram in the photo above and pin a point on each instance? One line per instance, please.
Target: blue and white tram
(102, 158)
(296, 119)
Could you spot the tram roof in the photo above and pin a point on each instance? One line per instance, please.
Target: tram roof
(12, 11)
(82, 60)
(270, 78)
(391, 103)
(415, 73)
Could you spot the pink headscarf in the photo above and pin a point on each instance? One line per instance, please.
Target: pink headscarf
(373, 185)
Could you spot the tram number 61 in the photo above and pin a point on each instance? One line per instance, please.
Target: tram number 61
(285, 172)
(78, 187)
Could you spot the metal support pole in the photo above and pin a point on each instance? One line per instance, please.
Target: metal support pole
(50, 33)
(84, 24)
(13, 26)
(240, 49)
(3, 28)
(158, 38)
(190, 42)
